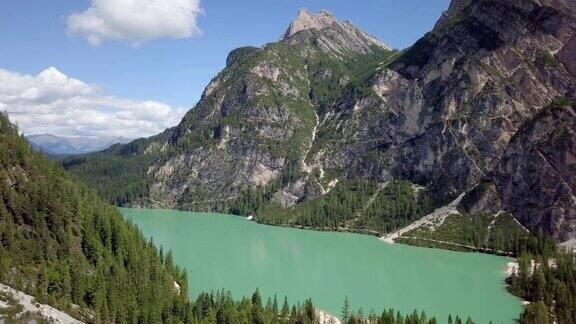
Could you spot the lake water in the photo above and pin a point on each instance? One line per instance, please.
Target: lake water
(223, 251)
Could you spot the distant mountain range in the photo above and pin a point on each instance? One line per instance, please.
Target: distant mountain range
(68, 145)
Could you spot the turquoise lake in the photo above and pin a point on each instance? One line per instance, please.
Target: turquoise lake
(224, 251)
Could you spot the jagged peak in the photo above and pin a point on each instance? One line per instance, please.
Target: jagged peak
(306, 20)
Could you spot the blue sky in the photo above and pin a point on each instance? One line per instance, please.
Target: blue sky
(35, 35)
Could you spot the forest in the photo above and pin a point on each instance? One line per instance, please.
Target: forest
(353, 205)
(68, 248)
(546, 279)
(64, 245)
(221, 308)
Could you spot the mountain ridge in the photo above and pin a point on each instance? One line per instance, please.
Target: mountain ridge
(72, 145)
(288, 123)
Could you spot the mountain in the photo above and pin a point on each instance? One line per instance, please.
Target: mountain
(330, 128)
(331, 35)
(252, 126)
(67, 145)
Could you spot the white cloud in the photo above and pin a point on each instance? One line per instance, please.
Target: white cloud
(53, 103)
(137, 21)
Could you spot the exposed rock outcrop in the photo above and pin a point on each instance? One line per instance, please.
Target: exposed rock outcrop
(331, 35)
(535, 176)
(18, 307)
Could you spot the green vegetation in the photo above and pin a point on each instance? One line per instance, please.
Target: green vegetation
(352, 205)
(62, 244)
(327, 74)
(221, 308)
(308, 81)
(392, 317)
(498, 233)
(546, 277)
(119, 174)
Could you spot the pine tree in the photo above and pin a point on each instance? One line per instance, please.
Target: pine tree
(346, 309)
(309, 311)
(538, 284)
(257, 311)
(285, 308)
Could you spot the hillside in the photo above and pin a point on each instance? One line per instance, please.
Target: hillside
(65, 253)
(291, 127)
(65, 246)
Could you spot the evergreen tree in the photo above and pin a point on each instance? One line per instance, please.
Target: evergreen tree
(346, 309)
(257, 311)
(285, 309)
(535, 313)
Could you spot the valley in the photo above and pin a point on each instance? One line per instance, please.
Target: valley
(296, 125)
(324, 176)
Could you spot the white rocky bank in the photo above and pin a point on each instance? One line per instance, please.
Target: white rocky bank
(31, 311)
(326, 318)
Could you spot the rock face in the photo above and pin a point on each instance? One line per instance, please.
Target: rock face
(258, 117)
(337, 36)
(451, 113)
(536, 173)
(305, 21)
(487, 69)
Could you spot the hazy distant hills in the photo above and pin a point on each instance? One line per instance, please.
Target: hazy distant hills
(63, 145)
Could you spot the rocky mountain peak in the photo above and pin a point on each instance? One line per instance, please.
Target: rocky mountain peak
(306, 20)
(334, 36)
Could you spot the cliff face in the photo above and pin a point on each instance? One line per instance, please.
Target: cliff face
(535, 176)
(486, 68)
(444, 113)
(450, 113)
(257, 118)
(330, 35)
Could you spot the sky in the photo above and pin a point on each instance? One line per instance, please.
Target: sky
(133, 67)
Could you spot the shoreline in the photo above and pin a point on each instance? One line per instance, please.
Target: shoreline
(497, 277)
(389, 238)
